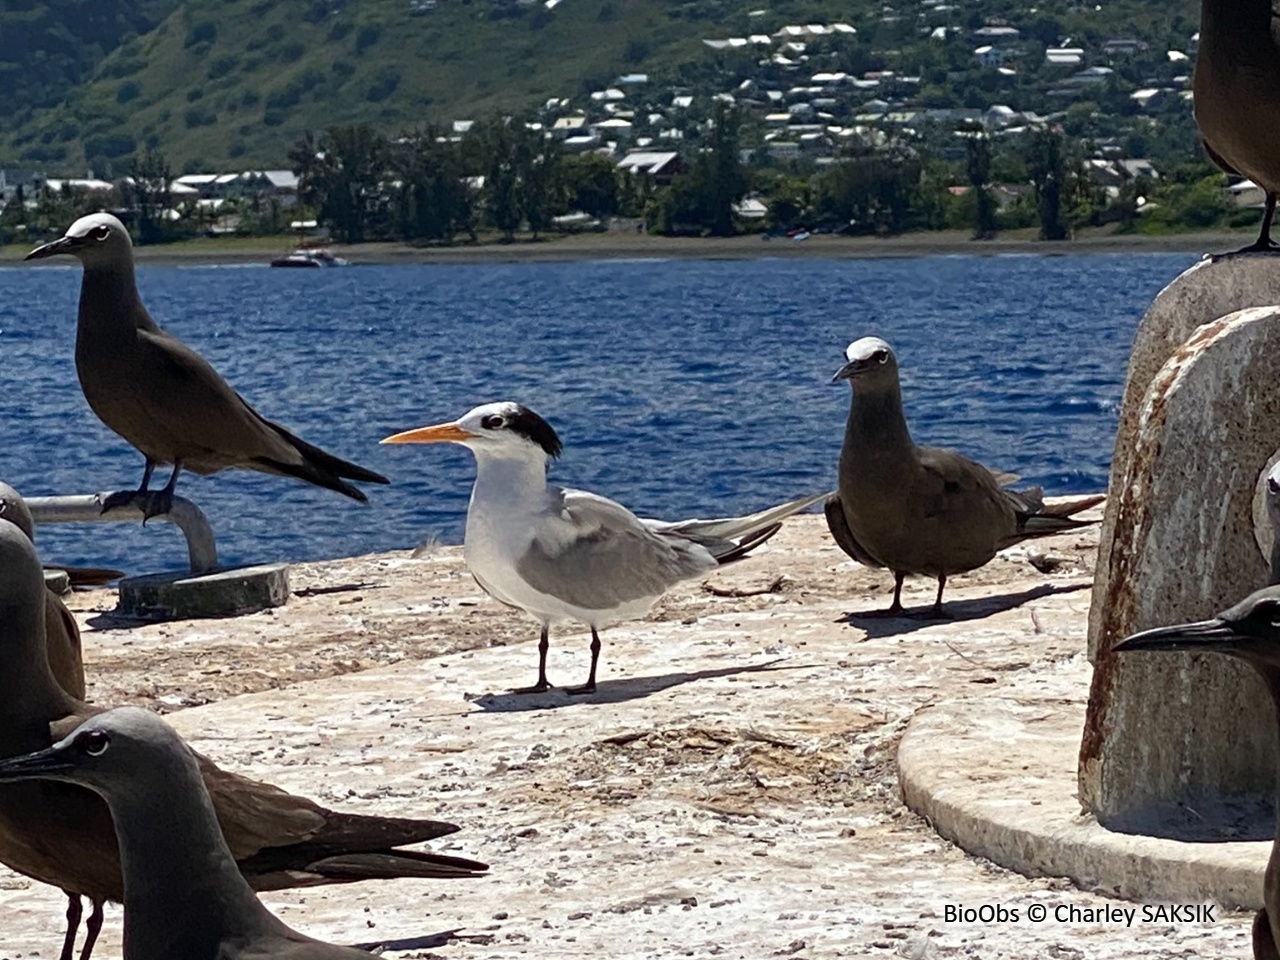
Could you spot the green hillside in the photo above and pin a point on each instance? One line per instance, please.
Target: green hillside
(240, 80)
(230, 84)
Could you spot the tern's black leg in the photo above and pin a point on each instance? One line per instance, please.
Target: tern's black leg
(75, 910)
(541, 686)
(161, 502)
(590, 685)
(123, 498)
(92, 927)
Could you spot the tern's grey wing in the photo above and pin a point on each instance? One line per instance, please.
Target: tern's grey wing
(603, 556)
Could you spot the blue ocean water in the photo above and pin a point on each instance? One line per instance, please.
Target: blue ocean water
(681, 388)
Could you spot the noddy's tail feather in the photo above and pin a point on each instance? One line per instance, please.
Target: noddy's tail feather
(397, 863)
(321, 467)
(1053, 518)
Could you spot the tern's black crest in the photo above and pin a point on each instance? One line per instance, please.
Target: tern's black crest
(528, 424)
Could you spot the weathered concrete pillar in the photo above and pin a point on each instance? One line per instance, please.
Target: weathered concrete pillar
(1182, 729)
(1205, 292)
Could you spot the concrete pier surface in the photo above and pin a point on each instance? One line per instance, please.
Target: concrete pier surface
(731, 791)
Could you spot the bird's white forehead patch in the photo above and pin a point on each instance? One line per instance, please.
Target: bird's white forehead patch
(85, 224)
(864, 348)
(503, 408)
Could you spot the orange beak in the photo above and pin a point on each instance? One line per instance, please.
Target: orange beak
(440, 433)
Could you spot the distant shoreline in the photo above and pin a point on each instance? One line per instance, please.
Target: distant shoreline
(619, 246)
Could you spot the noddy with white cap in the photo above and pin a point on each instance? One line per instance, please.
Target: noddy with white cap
(61, 834)
(921, 510)
(184, 896)
(162, 396)
(1249, 631)
(1237, 96)
(563, 554)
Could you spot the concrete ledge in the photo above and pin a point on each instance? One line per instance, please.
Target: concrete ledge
(224, 593)
(998, 778)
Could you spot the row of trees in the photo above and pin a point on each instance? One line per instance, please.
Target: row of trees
(503, 177)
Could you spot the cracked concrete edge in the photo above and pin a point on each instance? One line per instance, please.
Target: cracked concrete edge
(1020, 809)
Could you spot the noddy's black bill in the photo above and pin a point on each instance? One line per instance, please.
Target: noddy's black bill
(51, 249)
(34, 766)
(1207, 636)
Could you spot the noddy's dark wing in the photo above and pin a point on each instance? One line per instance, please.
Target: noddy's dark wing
(278, 838)
(184, 404)
(838, 524)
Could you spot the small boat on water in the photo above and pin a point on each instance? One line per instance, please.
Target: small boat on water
(310, 257)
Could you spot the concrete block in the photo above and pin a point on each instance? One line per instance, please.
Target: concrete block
(1205, 292)
(1166, 732)
(223, 593)
(58, 582)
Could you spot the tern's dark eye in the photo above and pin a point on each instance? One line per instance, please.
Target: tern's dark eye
(493, 422)
(93, 744)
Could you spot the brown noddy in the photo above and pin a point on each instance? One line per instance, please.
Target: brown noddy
(1249, 631)
(61, 834)
(62, 633)
(562, 554)
(66, 663)
(1237, 96)
(184, 896)
(921, 510)
(162, 396)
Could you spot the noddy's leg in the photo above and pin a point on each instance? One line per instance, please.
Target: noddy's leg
(92, 928)
(590, 685)
(123, 498)
(936, 610)
(1264, 243)
(895, 608)
(543, 646)
(161, 502)
(75, 910)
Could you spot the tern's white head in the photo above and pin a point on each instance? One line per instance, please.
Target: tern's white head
(98, 239)
(869, 359)
(503, 429)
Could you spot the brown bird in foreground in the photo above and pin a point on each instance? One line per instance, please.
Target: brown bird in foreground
(62, 633)
(162, 396)
(921, 510)
(184, 898)
(1249, 631)
(62, 834)
(1237, 96)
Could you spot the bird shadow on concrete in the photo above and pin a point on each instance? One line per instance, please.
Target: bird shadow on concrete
(617, 691)
(110, 620)
(956, 611)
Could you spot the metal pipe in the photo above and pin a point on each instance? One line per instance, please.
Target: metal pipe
(87, 508)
